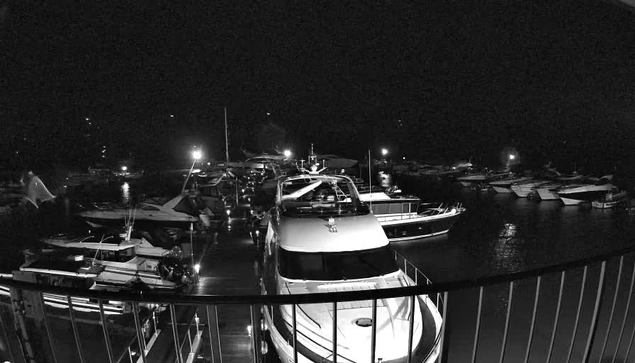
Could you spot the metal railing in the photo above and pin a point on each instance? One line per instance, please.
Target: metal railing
(589, 320)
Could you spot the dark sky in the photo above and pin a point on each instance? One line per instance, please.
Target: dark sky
(553, 79)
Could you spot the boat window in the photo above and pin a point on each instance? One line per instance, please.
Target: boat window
(329, 266)
(190, 205)
(149, 207)
(320, 196)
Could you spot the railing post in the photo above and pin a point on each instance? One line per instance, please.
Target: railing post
(335, 332)
(444, 343)
(596, 312)
(533, 319)
(478, 323)
(175, 334)
(626, 311)
(214, 335)
(140, 338)
(75, 330)
(295, 335)
(577, 314)
(47, 327)
(617, 290)
(506, 330)
(557, 317)
(373, 336)
(104, 325)
(255, 324)
(411, 326)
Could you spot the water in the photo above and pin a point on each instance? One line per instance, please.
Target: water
(501, 233)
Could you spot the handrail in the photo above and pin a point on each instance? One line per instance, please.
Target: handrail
(185, 299)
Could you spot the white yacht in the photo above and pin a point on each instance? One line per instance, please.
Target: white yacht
(577, 194)
(472, 178)
(406, 218)
(117, 260)
(322, 238)
(179, 212)
(549, 191)
(524, 188)
(504, 186)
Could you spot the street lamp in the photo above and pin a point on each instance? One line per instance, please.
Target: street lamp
(196, 155)
(287, 153)
(384, 152)
(510, 158)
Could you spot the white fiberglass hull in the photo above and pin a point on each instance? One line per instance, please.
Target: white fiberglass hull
(314, 332)
(547, 194)
(571, 201)
(502, 190)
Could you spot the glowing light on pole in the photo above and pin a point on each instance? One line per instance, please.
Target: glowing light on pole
(196, 155)
(287, 153)
(384, 152)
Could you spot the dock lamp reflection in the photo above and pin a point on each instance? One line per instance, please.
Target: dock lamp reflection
(196, 155)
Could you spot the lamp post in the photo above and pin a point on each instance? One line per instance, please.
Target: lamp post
(510, 158)
(196, 155)
(287, 153)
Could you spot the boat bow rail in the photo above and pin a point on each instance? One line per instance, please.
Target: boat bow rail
(209, 322)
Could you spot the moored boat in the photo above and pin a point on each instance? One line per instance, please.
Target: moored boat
(524, 188)
(322, 238)
(611, 200)
(406, 218)
(581, 193)
(503, 186)
(179, 212)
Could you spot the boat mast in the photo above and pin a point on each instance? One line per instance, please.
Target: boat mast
(226, 142)
(370, 182)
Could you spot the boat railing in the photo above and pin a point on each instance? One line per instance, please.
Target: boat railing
(604, 328)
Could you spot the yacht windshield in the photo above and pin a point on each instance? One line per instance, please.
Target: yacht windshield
(329, 266)
(320, 196)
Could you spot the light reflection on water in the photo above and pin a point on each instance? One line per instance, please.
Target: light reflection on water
(125, 192)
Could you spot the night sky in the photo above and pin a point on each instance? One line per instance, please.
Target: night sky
(433, 80)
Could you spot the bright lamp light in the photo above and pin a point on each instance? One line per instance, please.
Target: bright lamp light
(124, 168)
(384, 152)
(287, 153)
(197, 154)
(512, 157)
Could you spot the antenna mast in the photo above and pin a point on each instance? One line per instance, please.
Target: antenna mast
(226, 140)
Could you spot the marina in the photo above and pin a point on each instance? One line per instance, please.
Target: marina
(515, 235)
(382, 182)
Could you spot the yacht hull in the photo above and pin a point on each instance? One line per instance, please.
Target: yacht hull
(105, 219)
(547, 194)
(280, 332)
(571, 201)
(502, 190)
(418, 227)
